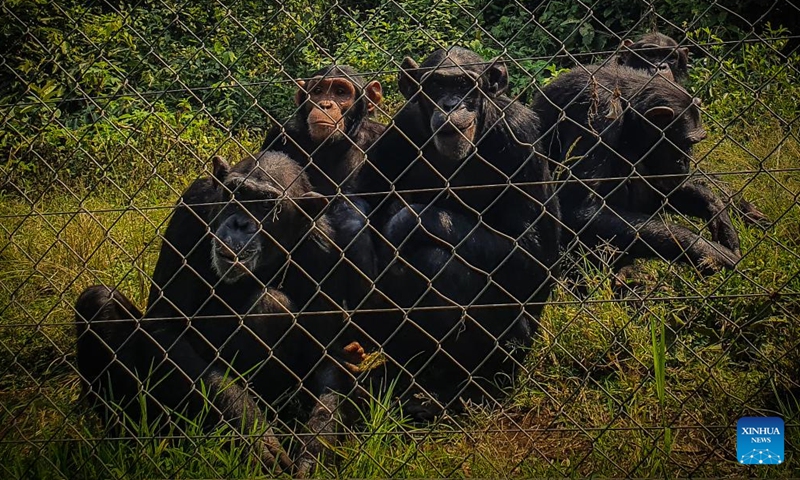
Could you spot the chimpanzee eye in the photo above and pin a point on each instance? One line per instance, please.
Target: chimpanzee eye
(340, 91)
(317, 91)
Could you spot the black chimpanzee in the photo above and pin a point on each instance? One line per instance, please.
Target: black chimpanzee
(471, 226)
(331, 129)
(328, 136)
(218, 313)
(626, 142)
(658, 53)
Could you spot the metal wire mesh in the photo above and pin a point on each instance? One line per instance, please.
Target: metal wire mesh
(542, 263)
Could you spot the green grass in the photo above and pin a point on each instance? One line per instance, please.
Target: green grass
(650, 383)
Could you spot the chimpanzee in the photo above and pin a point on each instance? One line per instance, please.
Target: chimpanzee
(625, 141)
(327, 136)
(218, 313)
(470, 226)
(331, 129)
(658, 53)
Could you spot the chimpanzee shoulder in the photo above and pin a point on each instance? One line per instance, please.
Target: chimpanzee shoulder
(184, 237)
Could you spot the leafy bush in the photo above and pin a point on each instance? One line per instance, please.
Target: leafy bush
(78, 76)
(748, 83)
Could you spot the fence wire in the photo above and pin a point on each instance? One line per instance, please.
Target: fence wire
(393, 239)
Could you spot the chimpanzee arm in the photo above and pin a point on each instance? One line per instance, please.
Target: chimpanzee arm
(183, 235)
(332, 386)
(641, 236)
(238, 408)
(349, 215)
(696, 199)
(419, 224)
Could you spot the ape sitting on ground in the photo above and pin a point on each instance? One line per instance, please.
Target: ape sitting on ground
(626, 143)
(218, 313)
(328, 136)
(658, 53)
(471, 230)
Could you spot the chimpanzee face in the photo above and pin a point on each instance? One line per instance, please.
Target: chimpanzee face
(242, 228)
(656, 54)
(328, 105)
(671, 133)
(452, 88)
(654, 61)
(260, 220)
(454, 100)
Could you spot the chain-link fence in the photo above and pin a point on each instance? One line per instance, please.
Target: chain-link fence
(568, 246)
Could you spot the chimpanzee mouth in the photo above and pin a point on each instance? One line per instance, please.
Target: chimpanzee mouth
(452, 130)
(229, 266)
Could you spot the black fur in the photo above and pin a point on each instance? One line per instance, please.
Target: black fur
(655, 52)
(621, 172)
(491, 206)
(209, 318)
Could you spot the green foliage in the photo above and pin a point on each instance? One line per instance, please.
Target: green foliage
(73, 70)
(377, 39)
(747, 84)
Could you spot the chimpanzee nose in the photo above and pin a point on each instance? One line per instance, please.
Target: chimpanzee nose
(243, 224)
(450, 103)
(325, 104)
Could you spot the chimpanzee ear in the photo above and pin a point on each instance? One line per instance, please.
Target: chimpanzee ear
(661, 116)
(300, 95)
(374, 93)
(312, 203)
(497, 75)
(624, 53)
(409, 78)
(220, 169)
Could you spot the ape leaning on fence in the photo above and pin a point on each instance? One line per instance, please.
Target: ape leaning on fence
(625, 143)
(657, 53)
(237, 242)
(469, 233)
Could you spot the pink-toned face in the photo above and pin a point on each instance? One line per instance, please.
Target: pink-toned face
(330, 99)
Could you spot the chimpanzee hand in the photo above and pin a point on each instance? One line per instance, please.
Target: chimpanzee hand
(710, 257)
(722, 232)
(695, 198)
(349, 216)
(353, 235)
(752, 215)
